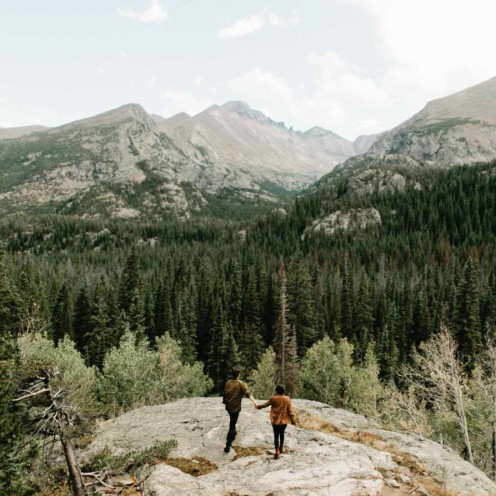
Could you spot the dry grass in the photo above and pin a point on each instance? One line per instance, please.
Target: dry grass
(241, 452)
(420, 476)
(313, 423)
(195, 466)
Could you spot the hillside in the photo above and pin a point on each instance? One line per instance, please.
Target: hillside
(457, 129)
(334, 452)
(127, 163)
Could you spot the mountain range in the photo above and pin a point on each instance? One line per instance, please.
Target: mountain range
(128, 163)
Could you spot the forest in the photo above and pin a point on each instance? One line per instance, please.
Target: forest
(371, 304)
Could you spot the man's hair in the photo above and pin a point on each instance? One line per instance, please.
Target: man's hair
(280, 390)
(235, 372)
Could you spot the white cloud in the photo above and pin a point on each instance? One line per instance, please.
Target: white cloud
(339, 96)
(151, 82)
(262, 86)
(154, 13)
(277, 21)
(434, 48)
(253, 23)
(242, 27)
(184, 101)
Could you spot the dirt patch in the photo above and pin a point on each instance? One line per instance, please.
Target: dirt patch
(195, 466)
(313, 423)
(241, 452)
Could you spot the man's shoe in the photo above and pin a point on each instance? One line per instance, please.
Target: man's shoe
(227, 448)
(276, 454)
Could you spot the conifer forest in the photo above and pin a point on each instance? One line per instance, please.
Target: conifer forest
(110, 295)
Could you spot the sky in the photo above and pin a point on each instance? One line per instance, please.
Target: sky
(352, 66)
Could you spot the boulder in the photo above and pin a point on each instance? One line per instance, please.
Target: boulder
(334, 452)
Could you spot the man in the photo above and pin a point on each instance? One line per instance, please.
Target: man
(234, 391)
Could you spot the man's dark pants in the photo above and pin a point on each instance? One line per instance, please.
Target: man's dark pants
(231, 435)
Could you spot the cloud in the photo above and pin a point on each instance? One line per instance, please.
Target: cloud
(151, 83)
(433, 48)
(184, 101)
(253, 23)
(277, 21)
(338, 97)
(261, 85)
(154, 13)
(242, 27)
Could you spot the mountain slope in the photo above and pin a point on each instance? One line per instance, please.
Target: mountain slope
(126, 162)
(457, 129)
(17, 132)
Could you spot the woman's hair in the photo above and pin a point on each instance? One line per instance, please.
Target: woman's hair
(280, 390)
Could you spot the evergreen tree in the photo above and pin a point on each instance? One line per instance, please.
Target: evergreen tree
(285, 343)
(347, 302)
(62, 316)
(468, 328)
(130, 285)
(82, 319)
(9, 304)
(301, 305)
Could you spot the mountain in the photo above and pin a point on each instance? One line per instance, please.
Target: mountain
(126, 162)
(457, 129)
(334, 452)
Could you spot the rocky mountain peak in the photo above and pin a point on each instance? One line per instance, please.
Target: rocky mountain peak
(317, 132)
(244, 110)
(130, 111)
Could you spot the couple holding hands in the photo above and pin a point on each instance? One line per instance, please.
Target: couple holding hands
(281, 412)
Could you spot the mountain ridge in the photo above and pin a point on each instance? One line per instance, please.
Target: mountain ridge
(229, 151)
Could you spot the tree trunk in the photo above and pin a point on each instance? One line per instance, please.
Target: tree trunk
(73, 467)
(76, 481)
(494, 449)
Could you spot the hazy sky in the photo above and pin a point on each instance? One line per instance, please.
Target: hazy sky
(352, 66)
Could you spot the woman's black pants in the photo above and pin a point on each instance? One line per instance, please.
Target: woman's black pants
(279, 435)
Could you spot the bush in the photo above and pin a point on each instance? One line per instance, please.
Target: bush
(76, 379)
(133, 375)
(263, 379)
(328, 375)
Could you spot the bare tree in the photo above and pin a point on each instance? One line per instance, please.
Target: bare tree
(437, 375)
(58, 417)
(488, 381)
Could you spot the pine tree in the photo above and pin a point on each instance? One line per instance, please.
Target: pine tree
(468, 328)
(9, 304)
(364, 320)
(301, 305)
(223, 353)
(62, 316)
(285, 344)
(250, 335)
(82, 319)
(130, 286)
(347, 303)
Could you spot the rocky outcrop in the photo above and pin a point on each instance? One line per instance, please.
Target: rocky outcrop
(333, 453)
(352, 219)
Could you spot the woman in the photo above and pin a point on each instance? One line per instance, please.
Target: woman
(281, 414)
